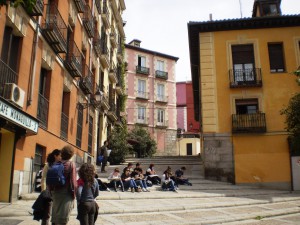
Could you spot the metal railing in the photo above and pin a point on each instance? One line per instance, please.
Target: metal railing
(80, 5)
(142, 94)
(7, 75)
(86, 82)
(245, 77)
(249, 123)
(161, 98)
(73, 61)
(142, 70)
(162, 124)
(161, 74)
(42, 112)
(64, 124)
(88, 21)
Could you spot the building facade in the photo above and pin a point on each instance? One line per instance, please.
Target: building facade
(151, 95)
(187, 127)
(241, 72)
(60, 81)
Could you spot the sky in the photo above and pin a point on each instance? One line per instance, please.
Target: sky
(161, 25)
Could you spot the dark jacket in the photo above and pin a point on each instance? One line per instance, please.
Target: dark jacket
(41, 204)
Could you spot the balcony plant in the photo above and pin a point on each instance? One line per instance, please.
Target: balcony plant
(27, 4)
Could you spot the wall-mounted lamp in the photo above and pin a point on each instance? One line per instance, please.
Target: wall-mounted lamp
(94, 100)
(191, 125)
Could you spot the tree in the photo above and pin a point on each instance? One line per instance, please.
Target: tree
(143, 145)
(118, 144)
(297, 73)
(292, 113)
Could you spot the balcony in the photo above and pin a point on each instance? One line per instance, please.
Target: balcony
(86, 81)
(119, 85)
(113, 38)
(113, 74)
(42, 111)
(80, 5)
(105, 103)
(245, 78)
(98, 6)
(120, 54)
(64, 124)
(161, 74)
(104, 56)
(105, 15)
(249, 123)
(73, 61)
(88, 21)
(112, 111)
(54, 30)
(161, 98)
(97, 43)
(142, 95)
(37, 9)
(7, 75)
(142, 121)
(142, 70)
(162, 124)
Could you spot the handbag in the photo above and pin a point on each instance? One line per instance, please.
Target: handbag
(100, 158)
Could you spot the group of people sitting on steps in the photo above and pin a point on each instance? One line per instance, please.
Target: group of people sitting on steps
(136, 180)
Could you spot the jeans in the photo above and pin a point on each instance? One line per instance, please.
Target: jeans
(141, 183)
(129, 184)
(168, 186)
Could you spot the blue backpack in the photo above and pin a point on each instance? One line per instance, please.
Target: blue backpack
(55, 175)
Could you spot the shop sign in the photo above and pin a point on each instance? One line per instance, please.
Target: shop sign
(18, 117)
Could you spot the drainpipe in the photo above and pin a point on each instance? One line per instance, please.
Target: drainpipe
(33, 64)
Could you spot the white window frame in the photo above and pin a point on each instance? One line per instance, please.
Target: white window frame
(141, 114)
(160, 66)
(141, 61)
(141, 92)
(160, 116)
(160, 92)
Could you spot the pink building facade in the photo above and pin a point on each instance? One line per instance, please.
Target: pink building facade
(185, 108)
(151, 90)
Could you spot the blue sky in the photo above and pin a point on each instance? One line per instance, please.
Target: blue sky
(161, 25)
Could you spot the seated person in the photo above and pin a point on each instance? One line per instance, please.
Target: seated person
(152, 176)
(167, 184)
(115, 180)
(180, 179)
(138, 176)
(128, 181)
(103, 186)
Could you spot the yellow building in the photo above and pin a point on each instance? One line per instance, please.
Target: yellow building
(241, 72)
(60, 84)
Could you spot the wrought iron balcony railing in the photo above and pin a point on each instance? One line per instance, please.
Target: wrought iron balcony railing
(112, 111)
(80, 5)
(88, 21)
(73, 61)
(64, 124)
(161, 74)
(113, 73)
(142, 121)
(162, 124)
(105, 15)
(7, 75)
(37, 9)
(245, 78)
(104, 57)
(42, 112)
(86, 81)
(142, 95)
(97, 43)
(54, 29)
(249, 123)
(161, 98)
(98, 6)
(142, 70)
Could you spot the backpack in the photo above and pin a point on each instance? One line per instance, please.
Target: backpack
(55, 175)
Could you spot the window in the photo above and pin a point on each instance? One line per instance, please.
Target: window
(141, 61)
(65, 115)
(38, 158)
(269, 9)
(243, 63)
(276, 57)
(142, 89)
(246, 106)
(79, 125)
(160, 65)
(43, 101)
(160, 116)
(10, 49)
(90, 137)
(160, 92)
(141, 114)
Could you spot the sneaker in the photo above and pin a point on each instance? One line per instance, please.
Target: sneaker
(147, 189)
(144, 189)
(132, 190)
(175, 191)
(108, 189)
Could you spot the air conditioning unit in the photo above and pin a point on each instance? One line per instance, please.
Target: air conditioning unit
(14, 94)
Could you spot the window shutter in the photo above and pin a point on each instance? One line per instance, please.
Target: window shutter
(242, 54)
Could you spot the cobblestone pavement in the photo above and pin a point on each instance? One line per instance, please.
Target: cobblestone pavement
(206, 202)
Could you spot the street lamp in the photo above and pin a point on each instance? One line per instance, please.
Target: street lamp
(94, 100)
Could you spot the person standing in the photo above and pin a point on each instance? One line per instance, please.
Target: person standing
(64, 196)
(88, 190)
(103, 152)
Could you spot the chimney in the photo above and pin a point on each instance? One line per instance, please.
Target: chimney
(135, 42)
